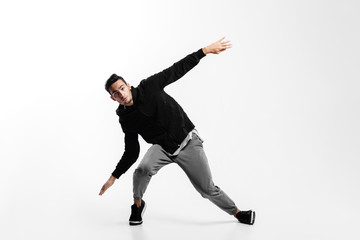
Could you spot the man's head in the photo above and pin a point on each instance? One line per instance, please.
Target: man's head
(119, 90)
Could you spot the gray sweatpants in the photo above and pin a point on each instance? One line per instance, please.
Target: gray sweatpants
(193, 161)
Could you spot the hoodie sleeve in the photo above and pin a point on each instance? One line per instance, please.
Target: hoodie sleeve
(176, 71)
(131, 154)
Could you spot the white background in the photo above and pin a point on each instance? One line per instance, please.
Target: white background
(279, 113)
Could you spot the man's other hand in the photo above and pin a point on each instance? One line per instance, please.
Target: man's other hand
(108, 184)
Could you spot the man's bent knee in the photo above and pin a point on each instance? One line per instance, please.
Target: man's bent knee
(143, 170)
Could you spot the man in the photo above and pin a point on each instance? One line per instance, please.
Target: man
(149, 111)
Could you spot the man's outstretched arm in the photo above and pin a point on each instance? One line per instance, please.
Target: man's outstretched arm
(180, 68)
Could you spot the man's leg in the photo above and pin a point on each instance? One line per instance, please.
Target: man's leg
(193, 161)
(154, 159)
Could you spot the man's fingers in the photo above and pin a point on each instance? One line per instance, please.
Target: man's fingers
(224, 44)
(227, 43)
(108, 184)
(221, 39)
(103, 189)
(224, 47)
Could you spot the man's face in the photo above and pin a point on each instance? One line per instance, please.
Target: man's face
(121, 93)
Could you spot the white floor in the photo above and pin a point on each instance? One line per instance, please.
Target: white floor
(73, 210)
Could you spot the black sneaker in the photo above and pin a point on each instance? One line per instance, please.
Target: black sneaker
(247, 217)
(136, 214)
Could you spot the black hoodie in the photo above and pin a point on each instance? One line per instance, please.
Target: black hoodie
(155, 115)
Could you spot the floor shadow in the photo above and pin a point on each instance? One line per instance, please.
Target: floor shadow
(188, 221)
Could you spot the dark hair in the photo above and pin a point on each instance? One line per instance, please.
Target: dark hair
(113, 78)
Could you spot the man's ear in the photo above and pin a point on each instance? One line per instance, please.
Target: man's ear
(112, 98)
(128, 84)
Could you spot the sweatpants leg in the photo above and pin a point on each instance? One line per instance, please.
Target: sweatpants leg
(193, 161)
(154, 159)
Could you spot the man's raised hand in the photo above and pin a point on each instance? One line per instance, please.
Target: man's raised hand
(217, 47)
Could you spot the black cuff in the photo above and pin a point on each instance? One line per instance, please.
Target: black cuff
(200, 54)
(116, 174)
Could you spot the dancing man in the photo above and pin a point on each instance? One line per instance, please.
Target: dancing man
(147, 110)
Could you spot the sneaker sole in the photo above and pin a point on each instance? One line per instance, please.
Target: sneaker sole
(134, 223)
(252, 217)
